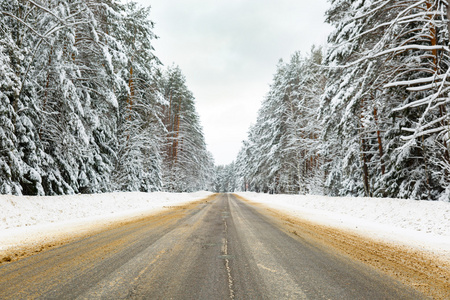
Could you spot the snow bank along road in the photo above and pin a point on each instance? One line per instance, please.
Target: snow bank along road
(221, 247)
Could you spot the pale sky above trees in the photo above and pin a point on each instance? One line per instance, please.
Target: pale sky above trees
(228, 51)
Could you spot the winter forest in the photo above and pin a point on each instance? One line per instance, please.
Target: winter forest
(86, 107)
(368, 116)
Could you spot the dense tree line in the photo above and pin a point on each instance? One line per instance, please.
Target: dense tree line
(187, 164)
(372, 120)
(225, 179)
(85, 105)
(281, 154)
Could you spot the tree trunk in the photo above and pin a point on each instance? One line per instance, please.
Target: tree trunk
(130, 81)
(448, 17)
(433, 36)
(131, 87)
(176, 133)
(47, 85)
(380, 143)
(363, 154)
(442, 108)
(365, 168)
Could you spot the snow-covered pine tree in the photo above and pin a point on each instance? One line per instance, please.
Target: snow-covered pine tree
(21, 32)
(244, 165)
(81, 110)
(247, 163)
(225, 178)
(61, 99)
(281, 154)
(10, 160)
(345, 102)
(140, 130)
(188, 165)
(419, 68)
(304, 85)
(390, 88)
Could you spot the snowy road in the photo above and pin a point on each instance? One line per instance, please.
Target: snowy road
(223, 248)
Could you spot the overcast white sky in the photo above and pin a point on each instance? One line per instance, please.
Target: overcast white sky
(228, 50)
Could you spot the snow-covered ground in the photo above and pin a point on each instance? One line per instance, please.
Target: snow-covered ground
(33, 220)
(421, 224)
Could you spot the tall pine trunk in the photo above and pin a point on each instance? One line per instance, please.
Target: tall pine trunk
(380, 142)
(364, 154)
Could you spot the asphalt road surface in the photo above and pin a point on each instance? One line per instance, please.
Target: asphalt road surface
(223, 248)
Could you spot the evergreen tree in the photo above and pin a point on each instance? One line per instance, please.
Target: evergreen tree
(10, 161)
(187, 163)
(281, 154)
(82, 103)
(377, 49)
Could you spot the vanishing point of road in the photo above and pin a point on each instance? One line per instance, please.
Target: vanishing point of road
(218, 248)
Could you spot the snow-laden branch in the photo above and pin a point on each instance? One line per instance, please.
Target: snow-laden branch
(426, 126)
(371, 12)
(417, 103)
(416, 81)
(419, 134)
(426, 87)
(402, 18)
(24, 23)
(412, 47)
(47, 10)
(394, 50)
